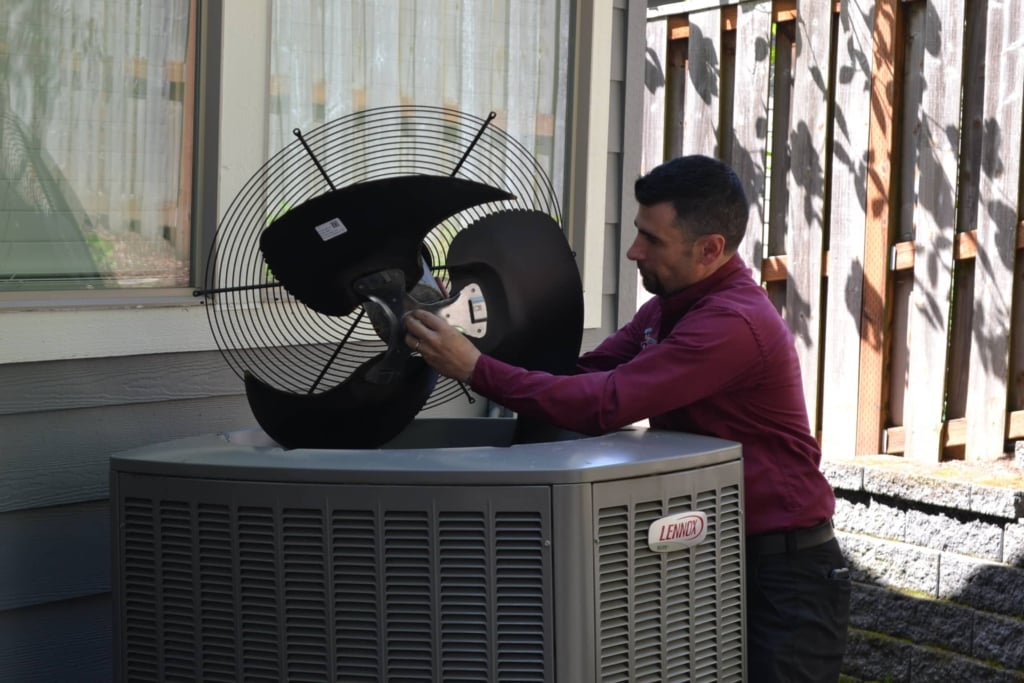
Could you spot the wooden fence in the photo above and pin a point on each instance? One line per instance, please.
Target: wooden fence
(880, 144)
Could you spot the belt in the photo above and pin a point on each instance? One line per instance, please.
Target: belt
(790, 541)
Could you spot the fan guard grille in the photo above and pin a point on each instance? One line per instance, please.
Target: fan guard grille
(256, 324)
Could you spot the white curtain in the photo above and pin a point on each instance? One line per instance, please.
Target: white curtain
(330, 58)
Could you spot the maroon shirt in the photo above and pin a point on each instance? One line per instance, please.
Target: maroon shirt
(714, 359)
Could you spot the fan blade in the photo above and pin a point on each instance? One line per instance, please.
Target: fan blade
(317, 249)
(355, 414)
(522, 263)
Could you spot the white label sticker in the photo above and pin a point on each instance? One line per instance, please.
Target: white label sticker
(478, 309)
(331, 229)
(677, 531)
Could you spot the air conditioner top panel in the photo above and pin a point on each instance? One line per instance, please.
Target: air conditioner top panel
(250, 455)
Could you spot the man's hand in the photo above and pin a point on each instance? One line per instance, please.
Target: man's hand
(442, 346)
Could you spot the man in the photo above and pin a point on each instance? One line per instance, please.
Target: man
(709, 354)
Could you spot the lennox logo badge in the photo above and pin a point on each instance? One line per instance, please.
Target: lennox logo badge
(677, 531)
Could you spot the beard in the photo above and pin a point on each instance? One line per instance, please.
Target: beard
(651, 283)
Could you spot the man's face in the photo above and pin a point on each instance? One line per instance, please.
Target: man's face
(667, 259)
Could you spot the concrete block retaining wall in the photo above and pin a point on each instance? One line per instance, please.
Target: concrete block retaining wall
(938, 568)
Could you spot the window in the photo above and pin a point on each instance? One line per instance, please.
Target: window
(97, 108)
(123, 172)
(95, 143)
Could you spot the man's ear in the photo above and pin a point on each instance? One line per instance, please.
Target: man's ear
(711, 248)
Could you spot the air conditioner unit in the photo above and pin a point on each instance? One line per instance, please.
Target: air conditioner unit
(447, 556)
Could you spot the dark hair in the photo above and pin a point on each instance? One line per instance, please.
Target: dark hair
(706, 194)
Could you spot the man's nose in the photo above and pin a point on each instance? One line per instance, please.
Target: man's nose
(633, 253)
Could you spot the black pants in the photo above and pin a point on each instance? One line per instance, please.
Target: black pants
(798, 607)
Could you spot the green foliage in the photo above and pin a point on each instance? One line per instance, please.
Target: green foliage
(102, 251)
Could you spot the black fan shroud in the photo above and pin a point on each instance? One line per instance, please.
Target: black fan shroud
(271, 335)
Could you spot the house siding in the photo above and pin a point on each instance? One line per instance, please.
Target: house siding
(59, 423)
(626, 152)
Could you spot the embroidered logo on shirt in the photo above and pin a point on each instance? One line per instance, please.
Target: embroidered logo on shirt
(649, 339)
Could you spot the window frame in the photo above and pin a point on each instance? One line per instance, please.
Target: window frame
(48, 325)
(204, 58)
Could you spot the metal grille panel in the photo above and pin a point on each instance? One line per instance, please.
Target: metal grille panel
(216, 607)
(463, 591)
(176, 572)
(670, 616)
(356, 595)
(269, 582)
(521, 595)
(305, 595)
(139, 581)
(407, 618)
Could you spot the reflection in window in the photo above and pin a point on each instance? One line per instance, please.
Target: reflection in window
(95, 143)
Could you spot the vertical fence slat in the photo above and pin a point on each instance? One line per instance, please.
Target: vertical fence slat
(934, 216)
(971, 133)
(998, 199)
(875, 332)
(806, 179)
(778, 161)
(973, 118)
(847, 217)
(654, 94)
(912, 37)
(675, 96)
(701, 101)
(750, 119)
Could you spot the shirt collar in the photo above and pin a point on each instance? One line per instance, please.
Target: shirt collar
(674, 306)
